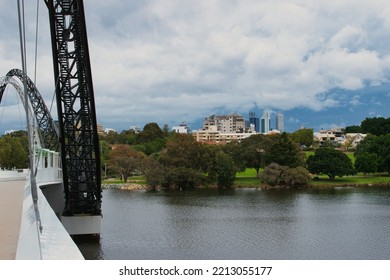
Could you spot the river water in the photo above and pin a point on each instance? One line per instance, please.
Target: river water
(337, 223)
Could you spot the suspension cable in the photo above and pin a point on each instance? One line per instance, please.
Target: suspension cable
(36, 43)
(22, 35)
(2, 105)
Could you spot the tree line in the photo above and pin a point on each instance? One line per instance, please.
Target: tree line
(171, 160)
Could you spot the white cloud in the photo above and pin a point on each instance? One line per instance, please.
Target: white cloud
(182, 60)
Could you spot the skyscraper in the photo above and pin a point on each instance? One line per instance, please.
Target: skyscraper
(280, 122)
(265, 122)
(253, 119)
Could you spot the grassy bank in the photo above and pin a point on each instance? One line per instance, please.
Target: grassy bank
(247, 179)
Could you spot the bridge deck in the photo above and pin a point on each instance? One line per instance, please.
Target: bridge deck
(11, 204)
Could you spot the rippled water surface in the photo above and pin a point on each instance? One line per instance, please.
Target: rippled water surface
(344, 223)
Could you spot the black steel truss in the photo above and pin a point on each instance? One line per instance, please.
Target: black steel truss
(76, 108)
(46, 126)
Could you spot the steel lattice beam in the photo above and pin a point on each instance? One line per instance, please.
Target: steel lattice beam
(46, 126)
(76, 108)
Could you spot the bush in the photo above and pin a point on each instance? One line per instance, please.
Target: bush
(297, 176)
(278, 175)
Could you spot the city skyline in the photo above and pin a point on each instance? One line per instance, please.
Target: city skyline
(321, 63)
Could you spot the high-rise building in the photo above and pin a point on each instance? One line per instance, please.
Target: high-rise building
(226, 123)
(254, 120)
(265, 122)
(280, 122)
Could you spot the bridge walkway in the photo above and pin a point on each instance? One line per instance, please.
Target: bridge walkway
(11, 208)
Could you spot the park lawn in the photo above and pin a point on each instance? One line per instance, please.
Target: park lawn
(133, 179)
(249, 172)
(353, 180)
(247, 179)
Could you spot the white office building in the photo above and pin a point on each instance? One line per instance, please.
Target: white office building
(280, 122)
(265, 122)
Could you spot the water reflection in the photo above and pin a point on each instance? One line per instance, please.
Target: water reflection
(337, 223)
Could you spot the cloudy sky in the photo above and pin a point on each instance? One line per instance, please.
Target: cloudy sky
(322, 63)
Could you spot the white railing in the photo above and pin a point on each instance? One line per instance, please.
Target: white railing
(48, 166)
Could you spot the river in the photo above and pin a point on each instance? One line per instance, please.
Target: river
(327, 224)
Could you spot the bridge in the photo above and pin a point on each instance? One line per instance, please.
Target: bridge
(60, 195)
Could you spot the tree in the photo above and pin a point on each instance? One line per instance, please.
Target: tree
(105, 149)
(303, 137)
(273, 174)
(296, 176)
(353, 129)
(278, 175)
(376, 126)
(185, 162)
(112, 137)
(253, 150)
(151, 140)
(367, 163)
(184, 150)
(284, 151)
(382, 149)
(182, 177)
(235, 151)
(330, 162)
(379, 145)
(153, 172)
(150, 133)
(224, 170)
(124, 160)
(13, 153)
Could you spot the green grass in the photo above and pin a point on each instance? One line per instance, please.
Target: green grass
(358, 179)
(249, 172)
(134, 179)
(247, 179)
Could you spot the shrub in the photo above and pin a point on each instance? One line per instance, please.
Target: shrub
(278, 175)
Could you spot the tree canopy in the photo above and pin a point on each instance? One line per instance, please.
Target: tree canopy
(330, 162)
(376, 126)
(14, 151)
(303, 136)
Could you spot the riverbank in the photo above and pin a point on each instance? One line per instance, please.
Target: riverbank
(248, 179)
(139, 187)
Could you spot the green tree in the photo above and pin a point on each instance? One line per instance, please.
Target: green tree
(153, 172)
(224, 170)
(13, 153)
(184, 150)
(296, 176)
(330, 162)
(353, 129)
(185, 161)
(105, 150)
(182, 177)
(124, 160)
(273, 174)
(150, 132)
(284, 151)
(303, 137)
(151, 140)
(367, 163)
(278, 175)
(382, 149)
(5, 154)
(253, 151)
(235, 151)
(379, 145)
(376, 126)
(112, 137)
